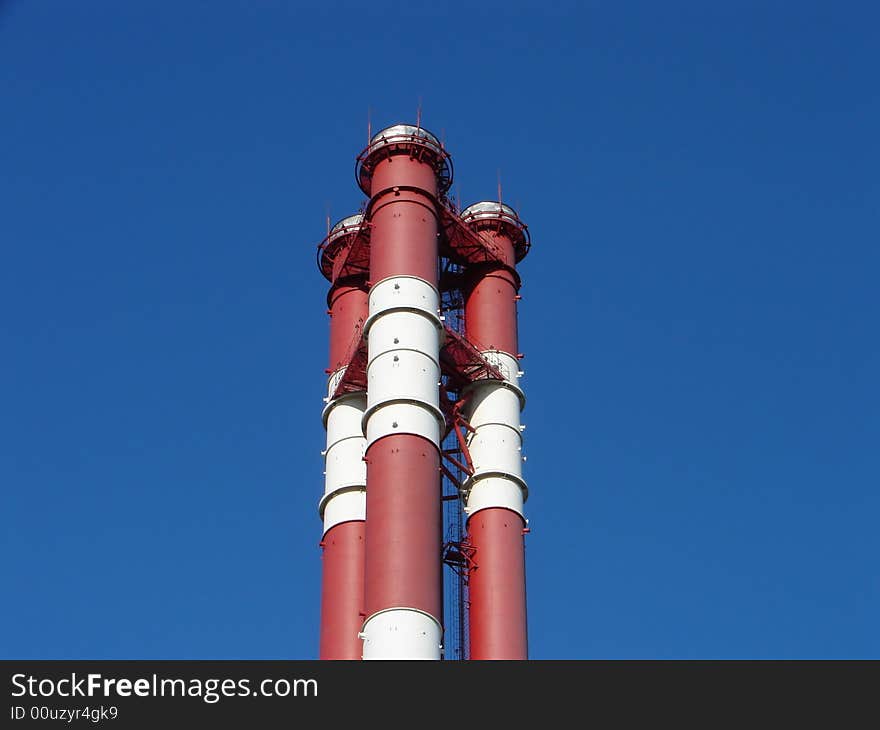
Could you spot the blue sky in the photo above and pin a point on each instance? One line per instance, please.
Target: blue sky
(699, 315)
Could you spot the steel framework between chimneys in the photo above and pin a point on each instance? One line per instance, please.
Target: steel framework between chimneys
(401, 380)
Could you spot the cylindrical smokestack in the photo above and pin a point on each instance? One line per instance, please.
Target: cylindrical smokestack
(343, 506)
(403, 170)
(494, 495)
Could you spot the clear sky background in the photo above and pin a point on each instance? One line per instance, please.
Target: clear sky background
(700, 312)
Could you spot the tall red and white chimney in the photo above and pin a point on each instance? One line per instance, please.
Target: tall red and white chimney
(495, 493)
(343, 506)
(403, 170)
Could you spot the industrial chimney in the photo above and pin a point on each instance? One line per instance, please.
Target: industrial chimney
(423, 391)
